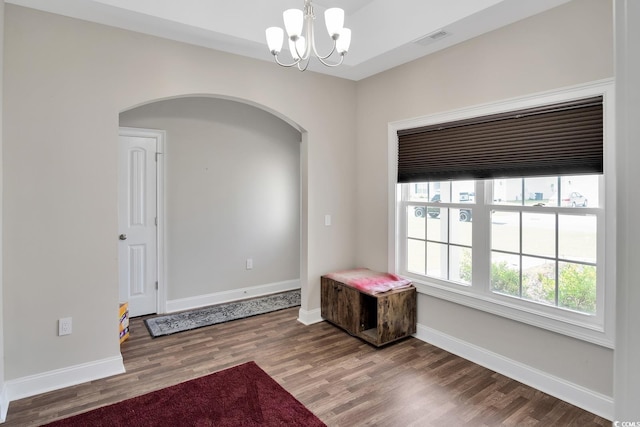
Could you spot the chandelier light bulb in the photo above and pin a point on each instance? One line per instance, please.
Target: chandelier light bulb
(343, 42)
(300, 43)
(275, 37)
(334, 19)
(293, 22)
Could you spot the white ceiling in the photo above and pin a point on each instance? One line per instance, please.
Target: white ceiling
(385, 33)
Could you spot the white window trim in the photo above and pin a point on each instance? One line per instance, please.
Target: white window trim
(598, 331)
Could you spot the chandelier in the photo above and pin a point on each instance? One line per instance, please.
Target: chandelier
(301, 46)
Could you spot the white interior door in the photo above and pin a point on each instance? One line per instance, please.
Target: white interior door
(137, 211)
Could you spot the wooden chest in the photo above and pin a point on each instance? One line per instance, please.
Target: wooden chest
(376, 318)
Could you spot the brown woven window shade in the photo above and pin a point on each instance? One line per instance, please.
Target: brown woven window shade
(558, 139)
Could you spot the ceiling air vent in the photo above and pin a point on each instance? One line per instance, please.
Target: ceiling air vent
(433, 37)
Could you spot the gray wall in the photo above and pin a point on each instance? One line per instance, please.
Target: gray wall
(568, 45)
(66, 81)
(232, 193)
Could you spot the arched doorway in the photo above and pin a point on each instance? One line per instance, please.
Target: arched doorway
(233, 196)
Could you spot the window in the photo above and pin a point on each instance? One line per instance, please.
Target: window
(541, 251)
(439, 229)
(516, 242)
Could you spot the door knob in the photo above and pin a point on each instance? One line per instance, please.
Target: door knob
(123, 237)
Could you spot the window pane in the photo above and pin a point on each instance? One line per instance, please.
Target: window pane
(576, 192)
(460, 264)
(537, 191)
(577, 287)
(507, 191)
(577, 237)
(463, 192)
(539, 234)
(445, 191)
(460, 227)
(505, 274)
(463, 214)
(579, 191)
(433, 212)
(539, 280)
(416, 224)
(424, 191)
(505, 231)
(437, 260)
(437, 225)
(418, 191)
(416, 256)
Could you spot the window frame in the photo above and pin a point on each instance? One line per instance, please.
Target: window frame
(597, 328)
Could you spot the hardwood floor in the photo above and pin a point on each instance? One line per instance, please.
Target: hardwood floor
(343, 380)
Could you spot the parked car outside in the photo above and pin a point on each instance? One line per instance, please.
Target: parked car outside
(573, 200)
(421, 211)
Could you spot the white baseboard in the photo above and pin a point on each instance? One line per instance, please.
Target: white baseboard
(61, 378)
(309, 317)
(232, 295)
(574, 394)
(4, 402)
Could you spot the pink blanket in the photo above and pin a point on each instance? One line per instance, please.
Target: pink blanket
(371, 282)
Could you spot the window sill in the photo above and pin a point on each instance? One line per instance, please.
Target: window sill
(585, 331)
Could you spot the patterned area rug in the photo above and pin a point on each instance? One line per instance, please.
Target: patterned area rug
(206, 316)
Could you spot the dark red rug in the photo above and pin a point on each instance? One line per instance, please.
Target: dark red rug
(244, 395)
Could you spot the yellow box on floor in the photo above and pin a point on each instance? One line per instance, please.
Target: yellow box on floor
(124, 321)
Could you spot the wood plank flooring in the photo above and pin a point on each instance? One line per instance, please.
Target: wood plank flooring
(343, 380)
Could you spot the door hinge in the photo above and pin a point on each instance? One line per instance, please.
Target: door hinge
(156, 285)
(157, 156)
(156, 221)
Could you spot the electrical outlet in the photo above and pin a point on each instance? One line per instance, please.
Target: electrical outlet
(249, 263)
(64, 326)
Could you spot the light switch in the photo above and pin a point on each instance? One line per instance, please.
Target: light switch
(327, 220)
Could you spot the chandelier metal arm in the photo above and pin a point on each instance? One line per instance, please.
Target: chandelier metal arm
(329, 64)
(296, 62)
(311, 42)
(322, 58)
(306, 64)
